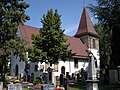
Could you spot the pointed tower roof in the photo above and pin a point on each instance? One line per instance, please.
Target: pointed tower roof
(85, 26)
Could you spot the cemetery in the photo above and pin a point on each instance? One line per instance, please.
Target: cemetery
(74, 82)
(47, 58)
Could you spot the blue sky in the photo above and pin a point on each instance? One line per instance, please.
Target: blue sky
(70, 11)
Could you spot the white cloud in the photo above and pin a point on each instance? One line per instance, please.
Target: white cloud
(71, 30)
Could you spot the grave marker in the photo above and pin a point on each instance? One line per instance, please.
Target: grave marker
(1, 85)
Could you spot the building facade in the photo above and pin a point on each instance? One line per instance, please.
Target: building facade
(85, 39)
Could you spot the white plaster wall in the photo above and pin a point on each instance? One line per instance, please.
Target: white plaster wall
(69, 66)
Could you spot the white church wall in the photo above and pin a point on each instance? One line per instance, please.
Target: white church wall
(69, 66)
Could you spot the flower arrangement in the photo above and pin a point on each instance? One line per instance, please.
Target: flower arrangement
(30, 84)
(37, 86)
(57, 83)
(60, 88)
(17, 81)
(71, 84)
(24, 82)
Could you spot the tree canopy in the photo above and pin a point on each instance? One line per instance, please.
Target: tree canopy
(105, 44)
(49, 44)
(108, 14)
(12, 13)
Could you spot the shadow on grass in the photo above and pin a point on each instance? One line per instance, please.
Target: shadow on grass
(101, 87)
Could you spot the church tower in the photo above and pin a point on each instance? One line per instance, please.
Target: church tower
(87, 34)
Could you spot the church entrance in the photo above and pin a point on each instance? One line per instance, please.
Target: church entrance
(63, 70)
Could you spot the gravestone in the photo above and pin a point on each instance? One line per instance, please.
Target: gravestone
(67, 74)
(66, 84)
(1, 85)
(28, 78)
(32, 77)
(18, 86)
(47, 87)
(78, 76)
(11, 87)
(55, 80)
(61, 79)
(51, 87)
(45, 78)
(92, 82)
(114, 74)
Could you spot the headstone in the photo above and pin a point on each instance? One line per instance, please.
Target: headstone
(92, 82)
(61, 79)
(67, 74)
(66, 84)
(51, 87)
(114, 74)
(78, 76)
(1, 85)
(45, 78)
(18, 86)
(28, 78)
(55, 80)
(83, 75)
(11, 87)
(47, 87)
(32, 77)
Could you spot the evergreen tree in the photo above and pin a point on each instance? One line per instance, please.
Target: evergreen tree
(105, 45)
(49, 44)
(12, 13)
(108, 14)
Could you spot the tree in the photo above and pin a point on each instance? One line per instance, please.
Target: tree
(49, 44)
(108, 14)
(105, 44)
(12, 13)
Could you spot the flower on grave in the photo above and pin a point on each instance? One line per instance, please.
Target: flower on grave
(72, 84)
(57, 82)
(17, 81)
(60, 88)
(30, 84)
(24, 82)
(37, 86)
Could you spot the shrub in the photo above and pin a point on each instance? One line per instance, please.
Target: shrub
(36, 82)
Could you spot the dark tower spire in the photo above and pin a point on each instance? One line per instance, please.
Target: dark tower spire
(85, 26)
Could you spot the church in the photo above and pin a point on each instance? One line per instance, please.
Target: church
(86, 38)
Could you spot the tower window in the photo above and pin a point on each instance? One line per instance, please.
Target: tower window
(94, 44)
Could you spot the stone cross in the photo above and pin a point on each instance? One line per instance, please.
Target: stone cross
(92, 82)
(92, 72)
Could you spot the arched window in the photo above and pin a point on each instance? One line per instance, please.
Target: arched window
(94, 44)
(76, 62)
(63, 70)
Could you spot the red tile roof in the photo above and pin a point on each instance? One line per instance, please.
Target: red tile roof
(76, 44)
(85, 25)
(77, 47)
(26, 33)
